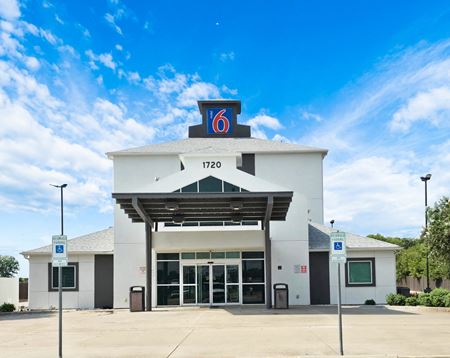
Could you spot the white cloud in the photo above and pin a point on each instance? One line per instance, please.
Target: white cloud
(196, 91)
(105, 59)
(311, 116)
(118, 47)
(9, 9)
(227, 56)
(112, 21)
(432, 106)
(372, 193)
(58, 19)
(32, 63)
(263, 120)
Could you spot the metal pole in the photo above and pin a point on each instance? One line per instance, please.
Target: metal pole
(426, 231)
(341, 344)
(60, 281)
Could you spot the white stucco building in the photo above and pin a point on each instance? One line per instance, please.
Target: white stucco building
(216, 219)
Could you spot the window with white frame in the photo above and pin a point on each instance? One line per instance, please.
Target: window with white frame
(69, 277)
(360, 272)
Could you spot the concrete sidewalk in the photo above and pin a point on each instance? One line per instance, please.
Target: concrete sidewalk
(230, 332)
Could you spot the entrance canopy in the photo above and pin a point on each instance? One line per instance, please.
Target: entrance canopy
(184, 207)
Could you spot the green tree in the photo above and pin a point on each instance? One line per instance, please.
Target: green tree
(9, 266)
(438, 236)
(411, 259)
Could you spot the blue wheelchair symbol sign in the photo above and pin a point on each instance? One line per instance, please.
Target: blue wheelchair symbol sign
(338, 246)
(59, 249)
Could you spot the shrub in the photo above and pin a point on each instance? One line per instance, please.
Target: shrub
(370, 302)
(394, 299)
(7, 307)
(447, 300)
(412, 301)
(438, 296)
(424, 299)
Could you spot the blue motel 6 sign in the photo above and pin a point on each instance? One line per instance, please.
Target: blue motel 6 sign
(219, 120)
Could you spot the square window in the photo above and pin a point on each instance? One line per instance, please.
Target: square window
(253, 271)
(253, 294)
(360, 272)
(69, 277)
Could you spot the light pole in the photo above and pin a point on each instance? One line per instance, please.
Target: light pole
(60, 272)
(425, 180)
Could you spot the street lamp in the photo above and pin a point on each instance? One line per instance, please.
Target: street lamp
(332, 223)
(60, 271)
(425, 180)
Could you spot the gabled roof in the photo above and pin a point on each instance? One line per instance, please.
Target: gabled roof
(97, 242)
(319, 239)
(236, 145)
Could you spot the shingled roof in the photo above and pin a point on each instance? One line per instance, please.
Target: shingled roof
(239, 145)
(319, 239)
(97, 242)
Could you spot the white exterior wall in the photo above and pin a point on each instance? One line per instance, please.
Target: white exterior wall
(384, 279)
(301, 173)
(9, 290)
(40, 298)
(134, 174)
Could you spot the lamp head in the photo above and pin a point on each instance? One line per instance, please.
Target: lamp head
(426, 177)
(332, 222)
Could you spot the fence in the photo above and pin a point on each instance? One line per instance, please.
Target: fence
(9, 290)
(419, 284)
(23, 291)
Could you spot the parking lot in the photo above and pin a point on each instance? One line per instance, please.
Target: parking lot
(230, 332)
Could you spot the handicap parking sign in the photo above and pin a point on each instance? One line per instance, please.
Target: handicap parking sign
(59, 252)
(337, 247)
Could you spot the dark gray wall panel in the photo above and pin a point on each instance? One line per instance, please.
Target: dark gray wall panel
(319, 278)
(104, 268)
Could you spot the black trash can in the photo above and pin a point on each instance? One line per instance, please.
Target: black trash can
(405, 291)
(137, 298)
(281, 293)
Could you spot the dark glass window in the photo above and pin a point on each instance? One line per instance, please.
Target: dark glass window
(191, 223)
(170, 256)
(232, 293)
(232, 274)
(191, 188)
(203, 255)
(233, 255)
(252, 271)
(248, 222)
(253, 255)
(252, 294)
(189, 294)
(230, 188)
(68, 277)
(168, 272)
(188, 275)
(210, 185)
(217, 255)
(168, 295)
(188, 255)
(211, 223)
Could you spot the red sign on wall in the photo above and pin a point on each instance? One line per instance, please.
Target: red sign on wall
(303, 269)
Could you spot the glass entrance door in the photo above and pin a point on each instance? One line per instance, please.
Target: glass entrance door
(203, 284)
(211, 284)
(218, 284)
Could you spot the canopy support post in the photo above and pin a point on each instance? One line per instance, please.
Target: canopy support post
(268, 252)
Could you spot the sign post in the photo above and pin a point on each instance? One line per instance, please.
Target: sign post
(339, 255)
(59, 259)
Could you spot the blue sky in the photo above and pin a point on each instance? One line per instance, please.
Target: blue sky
(368, 81)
